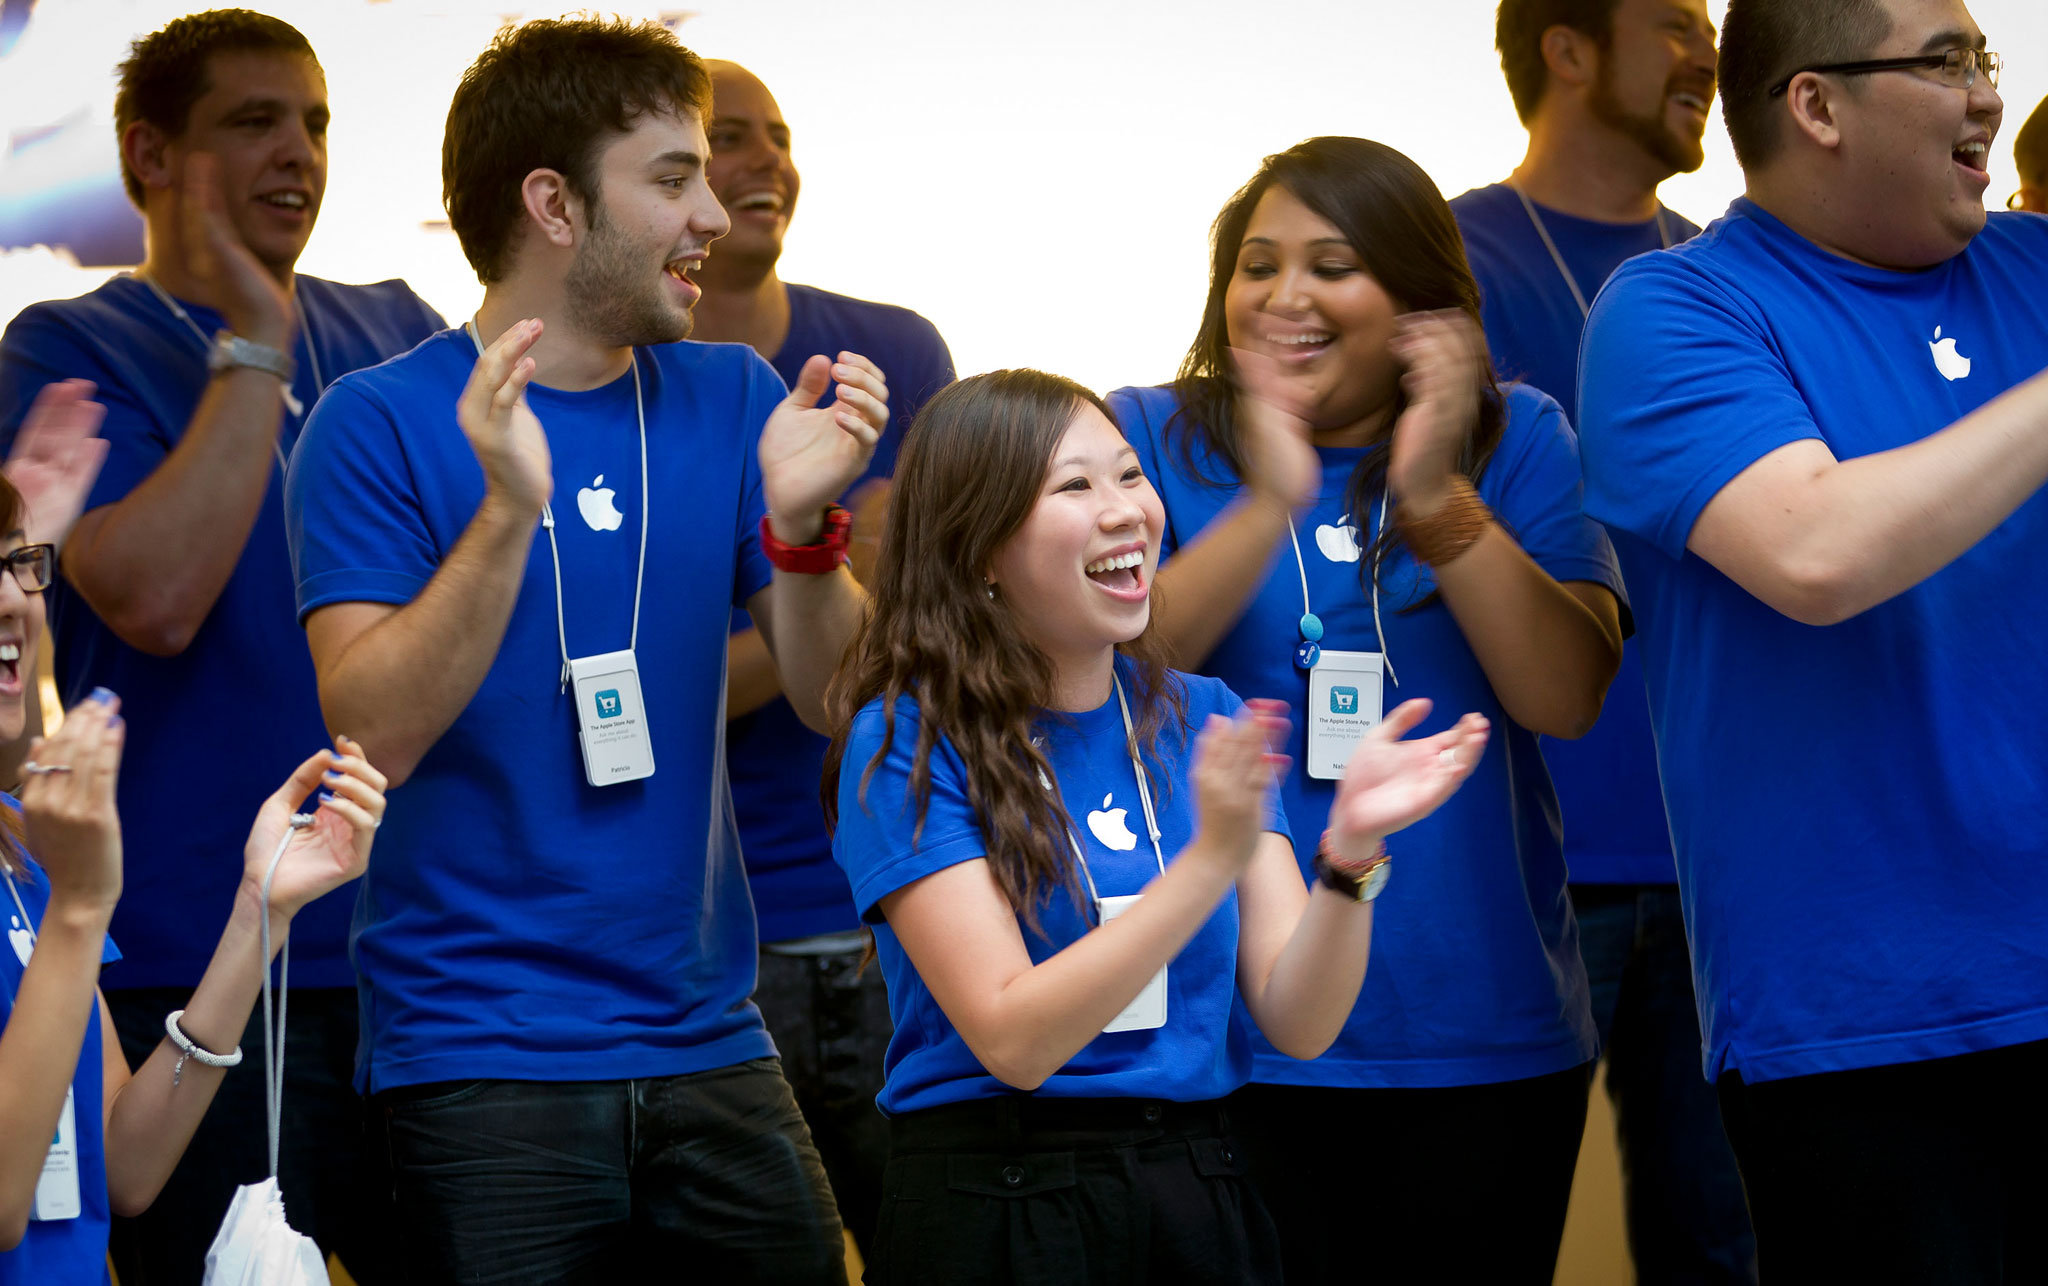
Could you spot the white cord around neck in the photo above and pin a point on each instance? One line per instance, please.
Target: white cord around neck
(1563, 269)
(291, 400)
(1144, 798)
(1301, 566)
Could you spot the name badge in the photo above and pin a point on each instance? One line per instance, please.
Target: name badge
(57, 1190)
(1148, 1009)
(611, 718)
(1344, 703)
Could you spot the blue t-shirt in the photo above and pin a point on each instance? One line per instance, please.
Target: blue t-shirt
(59, 1250)
(1204, 1050)
(774, 759)
(518, 922)
(1475, 973)
(1615, 831)
(1857, 808)
(248, 654)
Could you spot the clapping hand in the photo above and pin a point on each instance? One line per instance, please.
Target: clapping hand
(336, 847)
(56, 457)
(1444, 354)
(1274, 410)
(215, 260)
(67, 804)
(1235, 770)
(1390, 783)
(810, 454)
(502, 430)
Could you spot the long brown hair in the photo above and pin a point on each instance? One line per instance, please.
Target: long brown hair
(970, 472)
(1393, 216)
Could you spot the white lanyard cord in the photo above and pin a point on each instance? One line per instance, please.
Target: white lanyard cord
(1563, 269)
(291, 401)
(1144, 799)
(273, 1039)
(26, 922)
(1301, 566)
(547, 520)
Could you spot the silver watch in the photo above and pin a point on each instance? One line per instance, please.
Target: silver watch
(231, 350)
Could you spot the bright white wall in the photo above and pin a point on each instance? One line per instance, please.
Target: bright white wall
(1038, 180)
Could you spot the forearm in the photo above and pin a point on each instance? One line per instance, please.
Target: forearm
(152, 1120)
(400, 684)
(153, 563)
(1203, 591)
(1851, 534)
(40, 1048)
(750, 678)
(1303, 1001)
(1044, 1016)
(1547, 656)
(811, 620)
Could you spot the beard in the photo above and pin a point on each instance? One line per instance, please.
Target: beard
(1647, 130)
(611, 295)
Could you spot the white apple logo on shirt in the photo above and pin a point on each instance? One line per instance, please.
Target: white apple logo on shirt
(1108, 826)
(18, 937)
(1339, 543)
(1951, 364)
(594, 502)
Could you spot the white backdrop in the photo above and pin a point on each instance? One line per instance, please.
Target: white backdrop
(1038, 180)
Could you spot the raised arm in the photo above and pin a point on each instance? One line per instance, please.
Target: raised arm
(809, 456)
(1302, 953)
(151, 1116)
(395, 678)
(1548, 649)
(1821, 540)
(152, 564)
(1024, 1021)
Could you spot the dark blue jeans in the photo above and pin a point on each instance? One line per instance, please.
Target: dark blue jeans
(1687, 1222)
(830, 1021)
(335, 1188)
(707, 1177)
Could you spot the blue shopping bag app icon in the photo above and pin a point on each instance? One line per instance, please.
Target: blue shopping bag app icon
(1343, 700)
(608, 704)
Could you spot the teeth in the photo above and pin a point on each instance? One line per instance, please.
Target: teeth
(10, 652)
(288, 200)
(1689, 100)
(1320, 337)
(1118, 563)
(1974, 149)
(759, 201)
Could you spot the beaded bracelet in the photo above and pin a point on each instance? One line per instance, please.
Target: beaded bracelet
(1459, 522)
(186, 1049)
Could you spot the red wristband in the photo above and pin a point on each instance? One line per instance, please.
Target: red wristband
(822, 555)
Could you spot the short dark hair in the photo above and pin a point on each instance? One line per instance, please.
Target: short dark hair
(544, 96)
(165, 72)
(1764, 41)
(1518, 27)
(2030, 148)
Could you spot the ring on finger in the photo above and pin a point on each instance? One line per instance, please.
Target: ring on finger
(34, 769)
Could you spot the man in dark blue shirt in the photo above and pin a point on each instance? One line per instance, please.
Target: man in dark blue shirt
(177, 586)
(830, 1019)
(1614, 94)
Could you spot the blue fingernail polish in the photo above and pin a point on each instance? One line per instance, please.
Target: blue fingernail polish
(102, 695)
(117, 722)
(326, 796)
(331, 775)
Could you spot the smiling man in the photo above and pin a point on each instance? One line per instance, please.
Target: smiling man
(556, 944)
(829, 1015)
(1819, 433)
(176, 586)
(1614, 94)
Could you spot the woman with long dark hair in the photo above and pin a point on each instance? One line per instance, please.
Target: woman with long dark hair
(1357, 513)
(1013, 764)
(81, 1137)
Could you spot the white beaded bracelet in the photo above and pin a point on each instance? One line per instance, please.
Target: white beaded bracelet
(186, 1049)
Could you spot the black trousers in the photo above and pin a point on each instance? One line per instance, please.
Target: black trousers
(1060, 1192)
(1929, 1172)
(707, 1177)
(1467, 1183)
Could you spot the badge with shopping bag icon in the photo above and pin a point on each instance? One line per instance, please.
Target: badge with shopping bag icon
(255, 1246)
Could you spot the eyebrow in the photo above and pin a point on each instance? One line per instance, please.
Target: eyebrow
(688, 160)
(1319, 241)
(275, 105)
(1077, 461)
(1951, 40)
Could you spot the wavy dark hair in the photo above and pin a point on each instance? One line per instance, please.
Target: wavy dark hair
(972, 467)
(1392, 214)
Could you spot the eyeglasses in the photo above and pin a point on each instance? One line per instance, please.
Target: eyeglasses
(34, 567)
(1958, 67)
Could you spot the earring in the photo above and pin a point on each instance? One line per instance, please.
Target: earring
(990, 587)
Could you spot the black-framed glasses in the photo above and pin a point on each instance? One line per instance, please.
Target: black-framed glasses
(1958, 68)
(34, 567)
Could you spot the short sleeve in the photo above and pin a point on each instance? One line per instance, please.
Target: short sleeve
(1537, 491)
(1680, 390)
(353, 515)
(40, 349)
(932, 370)
(879, 841)
(751, 569)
